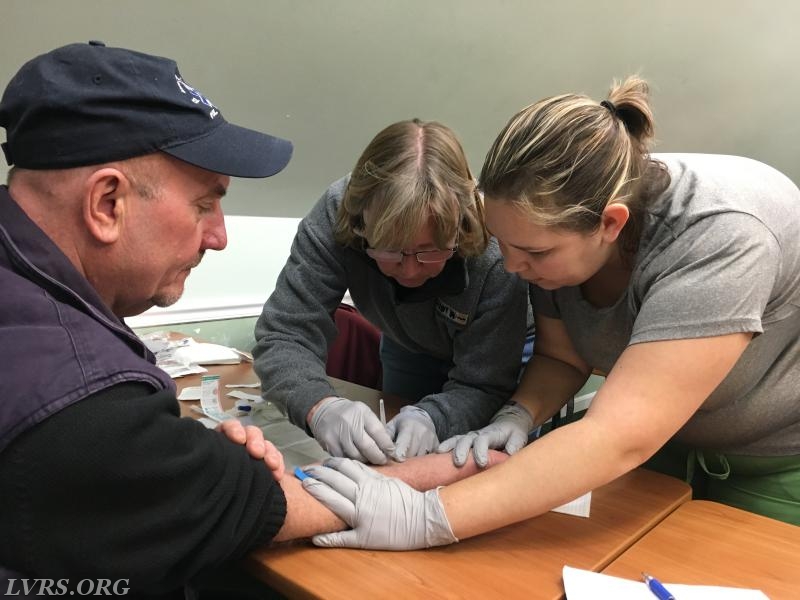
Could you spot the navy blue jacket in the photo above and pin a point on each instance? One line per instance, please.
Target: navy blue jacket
(99, 475)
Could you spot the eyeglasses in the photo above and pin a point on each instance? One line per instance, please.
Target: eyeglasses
(424, 257)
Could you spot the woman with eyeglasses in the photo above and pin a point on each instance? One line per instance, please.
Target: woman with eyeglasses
(404, 233)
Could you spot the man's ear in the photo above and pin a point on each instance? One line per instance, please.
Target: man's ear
(613, 219)
(105, 202)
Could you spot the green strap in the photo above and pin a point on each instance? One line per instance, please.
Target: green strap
(691, 457)
(725, 467)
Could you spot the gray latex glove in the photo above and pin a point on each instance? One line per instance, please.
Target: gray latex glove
(385, 513)
(413, 432)
(508, 430)
(348, 428)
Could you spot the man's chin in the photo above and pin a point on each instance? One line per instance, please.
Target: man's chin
(162, 301)
(167, 297)
(170, 295)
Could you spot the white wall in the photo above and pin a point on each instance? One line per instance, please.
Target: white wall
(234, 282)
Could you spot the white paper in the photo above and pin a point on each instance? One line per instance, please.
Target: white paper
(156, 342)
(191, 392)
(242, 385)
(165, 350)
(588, 585)
(579, 507)
(181, 370)
(246, 356)
(239, 395)
(201, 353)
(209, 398)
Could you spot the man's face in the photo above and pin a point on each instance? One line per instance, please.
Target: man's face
(166, 235)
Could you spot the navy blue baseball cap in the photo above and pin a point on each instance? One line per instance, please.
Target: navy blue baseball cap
(88, 104)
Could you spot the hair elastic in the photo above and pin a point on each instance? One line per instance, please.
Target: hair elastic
(610, 106)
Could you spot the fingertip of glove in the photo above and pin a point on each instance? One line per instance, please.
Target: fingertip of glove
(388, 451)
(309, 485)
(379, 460)
(460, 456)
(512, 449)
(322, 541)
(444, 448)
(332, 461)
(311, 470)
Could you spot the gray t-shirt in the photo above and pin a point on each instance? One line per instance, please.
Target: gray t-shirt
(719, 254)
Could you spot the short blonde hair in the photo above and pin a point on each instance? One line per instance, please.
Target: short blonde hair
(564, 158)
(410, 172)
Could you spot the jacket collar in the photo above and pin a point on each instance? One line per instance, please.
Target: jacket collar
(33, 254)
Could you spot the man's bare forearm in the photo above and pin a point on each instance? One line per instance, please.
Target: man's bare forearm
(305, 516)
(432, 470)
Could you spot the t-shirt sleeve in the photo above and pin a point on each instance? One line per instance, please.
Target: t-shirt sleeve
(118, 485)
(714, 279)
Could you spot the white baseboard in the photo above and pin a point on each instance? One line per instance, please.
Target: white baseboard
(177, 314)
(187, 312)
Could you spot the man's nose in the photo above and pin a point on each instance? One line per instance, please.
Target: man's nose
(215, 236)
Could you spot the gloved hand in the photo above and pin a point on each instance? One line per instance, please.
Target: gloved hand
(413, 432)
(508, 429)
(347, 428)
(385, 513)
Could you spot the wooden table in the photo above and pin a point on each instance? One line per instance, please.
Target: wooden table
(707, 543)
(243, 373)
(519, 561)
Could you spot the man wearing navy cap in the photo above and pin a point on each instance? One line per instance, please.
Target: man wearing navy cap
(119, 167)
(118, 170)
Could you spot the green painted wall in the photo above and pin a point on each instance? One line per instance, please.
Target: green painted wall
(329, 74)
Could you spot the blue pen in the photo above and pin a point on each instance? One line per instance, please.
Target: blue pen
(658, 589)
(300, 474)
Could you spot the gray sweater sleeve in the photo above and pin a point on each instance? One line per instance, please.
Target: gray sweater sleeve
(487, 356)
(297, 326)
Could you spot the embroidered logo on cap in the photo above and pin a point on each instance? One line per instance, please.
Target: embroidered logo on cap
(197, 97)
